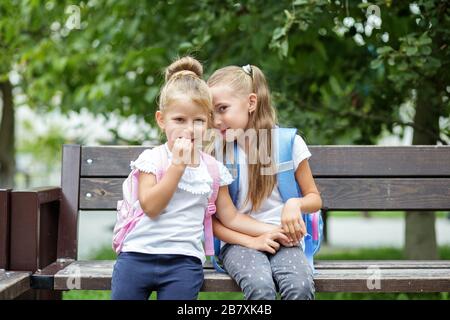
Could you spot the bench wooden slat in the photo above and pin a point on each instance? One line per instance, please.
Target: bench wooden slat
(384, 264)
(108, 160)
(337, 193)
(385, 194)
(326, 161)
(391, 280)
(364, 264)
(380, 161)
(332, 276)
(357, 280)
(13, 284)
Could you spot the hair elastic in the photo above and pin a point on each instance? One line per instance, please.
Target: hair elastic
(248, 70)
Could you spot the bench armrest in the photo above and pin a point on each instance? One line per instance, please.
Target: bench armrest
(47, 194)
(34, 228)
(5, 218)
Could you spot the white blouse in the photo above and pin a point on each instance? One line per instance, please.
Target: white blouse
(179, 227)
(271, 208)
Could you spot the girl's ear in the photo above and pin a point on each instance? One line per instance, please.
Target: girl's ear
(253, 101)
(160, 119)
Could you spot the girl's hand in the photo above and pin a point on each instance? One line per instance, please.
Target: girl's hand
(266, 242)
(292, 222)
(181, 152)
(286, 243)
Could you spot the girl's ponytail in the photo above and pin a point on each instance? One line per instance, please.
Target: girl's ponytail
(184, 77)
(186, 65)
(265, 115)
(246, 80)
(261, 186)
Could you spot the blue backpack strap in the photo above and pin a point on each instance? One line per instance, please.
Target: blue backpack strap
(284, 137)
(234, 167)
(233, 190)
(214, 261)
(284, 142)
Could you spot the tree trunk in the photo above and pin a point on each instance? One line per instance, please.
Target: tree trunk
(420, 233)
(7, 152)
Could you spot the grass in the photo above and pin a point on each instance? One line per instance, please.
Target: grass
(326, 253)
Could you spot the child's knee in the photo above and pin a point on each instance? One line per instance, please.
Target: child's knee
(298, 290)
(259, 288)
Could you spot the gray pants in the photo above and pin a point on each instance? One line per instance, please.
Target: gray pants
(260, 274)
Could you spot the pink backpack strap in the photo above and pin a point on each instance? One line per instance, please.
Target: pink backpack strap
(213, 170)
(126, 223)
(163, 162)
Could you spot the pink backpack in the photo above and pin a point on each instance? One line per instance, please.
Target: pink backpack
(129, 212)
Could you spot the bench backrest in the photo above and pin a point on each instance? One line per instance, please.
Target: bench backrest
(348, 178)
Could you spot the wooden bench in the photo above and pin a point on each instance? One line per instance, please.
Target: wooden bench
(44, 221)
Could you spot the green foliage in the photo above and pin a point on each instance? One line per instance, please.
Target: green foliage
(378, 76)
(334, 88)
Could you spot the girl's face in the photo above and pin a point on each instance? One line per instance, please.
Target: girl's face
(231, 109)
(183, 118)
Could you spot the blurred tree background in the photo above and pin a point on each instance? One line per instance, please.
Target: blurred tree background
(343, 72)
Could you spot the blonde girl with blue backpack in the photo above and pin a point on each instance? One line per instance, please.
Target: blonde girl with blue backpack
(164, 227)
(287, 197)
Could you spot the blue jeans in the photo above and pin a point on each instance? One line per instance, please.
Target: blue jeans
(172, 276)
(260, 274)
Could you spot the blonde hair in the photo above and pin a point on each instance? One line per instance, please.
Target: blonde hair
(260, 186)
(184, 78)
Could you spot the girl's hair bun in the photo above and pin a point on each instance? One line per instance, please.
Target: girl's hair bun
(186, 64)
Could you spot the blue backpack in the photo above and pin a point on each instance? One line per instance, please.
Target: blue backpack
(285, 180)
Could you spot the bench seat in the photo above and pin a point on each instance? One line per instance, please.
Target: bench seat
(13, 284)
(331, 276)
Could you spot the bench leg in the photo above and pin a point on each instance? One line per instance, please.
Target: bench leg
(325, 226)
(5, 218)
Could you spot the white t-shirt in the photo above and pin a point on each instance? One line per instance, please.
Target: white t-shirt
(179, 227)
(271, 208)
